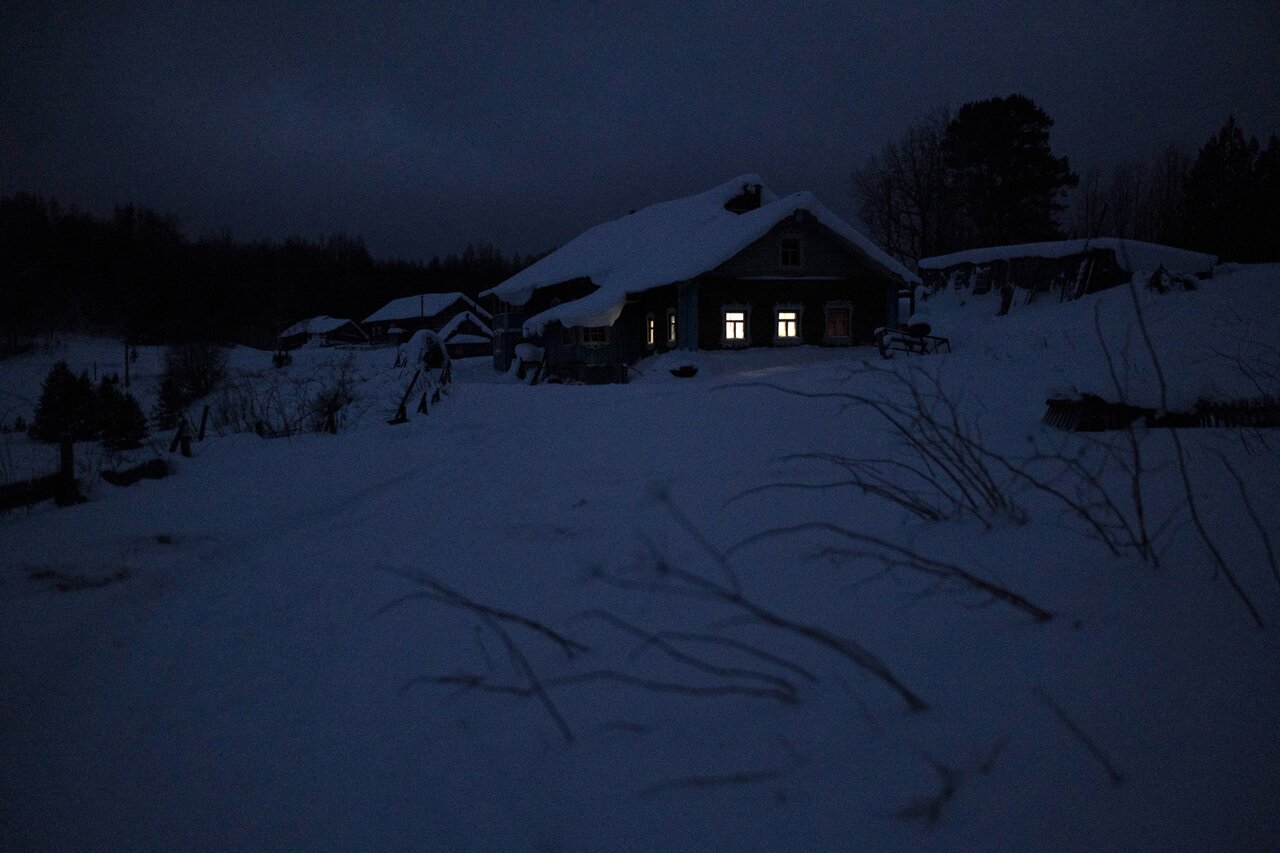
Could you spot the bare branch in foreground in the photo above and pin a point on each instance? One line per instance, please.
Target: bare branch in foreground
(1253, 516)
(437, 591)
(744, 777)
(535, 685)
(654, 640)
(1083, 737)
(479, 682)
(908, 559)
(695, 585)
(928, 810)
(1192, 505)
(745, 648)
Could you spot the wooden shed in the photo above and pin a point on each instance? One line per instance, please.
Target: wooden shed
(400, 318)
(323, 330)
(1063, 269)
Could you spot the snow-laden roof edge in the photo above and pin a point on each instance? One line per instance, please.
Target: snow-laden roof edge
(668, 242)
(1130, 254)
(315, 326)
(423, 304)
(447, 332)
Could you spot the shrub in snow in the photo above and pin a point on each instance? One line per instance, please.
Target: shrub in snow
(195, 368)
(170, 404)
(191, 371)
(120, 421)
(66, 407)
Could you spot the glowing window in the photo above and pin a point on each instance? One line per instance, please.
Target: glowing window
(735, 325)
(671, 327)
(650, 331)
(787, 324)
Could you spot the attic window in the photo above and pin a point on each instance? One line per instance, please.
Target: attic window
(790, 252)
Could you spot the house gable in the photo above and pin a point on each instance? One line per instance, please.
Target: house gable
(822, 253)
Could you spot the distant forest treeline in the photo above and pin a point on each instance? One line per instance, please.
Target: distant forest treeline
(135, 273)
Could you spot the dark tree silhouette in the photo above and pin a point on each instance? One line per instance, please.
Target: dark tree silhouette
(904, 196)
(137, 274)
(67, 407)
(999, 160)
(1231, 197)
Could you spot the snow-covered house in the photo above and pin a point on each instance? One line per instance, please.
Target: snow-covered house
(735, 266)
(399, 318)
(1066, 268)
(324, 330)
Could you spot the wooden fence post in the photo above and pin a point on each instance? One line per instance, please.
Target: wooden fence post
(66, 493)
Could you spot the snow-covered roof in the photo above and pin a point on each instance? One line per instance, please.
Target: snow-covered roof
(314, 326)
(421, 305)
(447, 332)
(1130, 254)
(664, 243)
(469, 339)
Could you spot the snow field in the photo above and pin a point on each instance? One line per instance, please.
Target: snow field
(251, 684)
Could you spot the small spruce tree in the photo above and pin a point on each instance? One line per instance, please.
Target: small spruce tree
(120, 419)
(170, 404)
(67, 407)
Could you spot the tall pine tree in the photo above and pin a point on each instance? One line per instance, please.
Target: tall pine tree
(1221, 198)
(999, 161)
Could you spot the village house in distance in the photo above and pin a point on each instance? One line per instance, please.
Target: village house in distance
(735, 266)
(324, 330)
(455, 317)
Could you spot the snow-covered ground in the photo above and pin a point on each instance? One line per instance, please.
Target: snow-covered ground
(266, 674)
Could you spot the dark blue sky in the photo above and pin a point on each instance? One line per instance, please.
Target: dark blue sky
(424, 126)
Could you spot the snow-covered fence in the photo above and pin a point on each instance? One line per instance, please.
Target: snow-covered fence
(60, 486)
(1091, 413)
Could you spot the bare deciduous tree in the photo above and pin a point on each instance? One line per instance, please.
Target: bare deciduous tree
(903, 194)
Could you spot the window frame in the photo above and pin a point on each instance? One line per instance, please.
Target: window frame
(837, 305)
(783, 251)
(788, 340)
(725, 311)
(594, 337)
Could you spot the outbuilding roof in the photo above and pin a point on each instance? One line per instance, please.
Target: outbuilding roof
(314, 326)
(1131, 255)
(422, 305)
